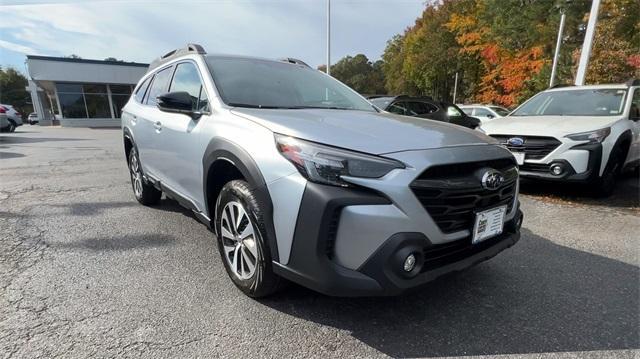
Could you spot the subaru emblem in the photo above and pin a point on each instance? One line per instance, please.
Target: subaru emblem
(492, 180)
(515, 141)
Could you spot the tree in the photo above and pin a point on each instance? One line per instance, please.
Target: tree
(113, 59)
(13, 90)
(615, 56)
(359, 73)
(502, 49)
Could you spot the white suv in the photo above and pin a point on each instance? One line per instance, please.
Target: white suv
(578, 133)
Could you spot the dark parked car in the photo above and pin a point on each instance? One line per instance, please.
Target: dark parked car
(425, 107)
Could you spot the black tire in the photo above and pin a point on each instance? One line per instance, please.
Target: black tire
(607, 183)
(12, 126)
(263, 281)
(144, 192)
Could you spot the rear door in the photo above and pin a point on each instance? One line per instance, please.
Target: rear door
(181, 139)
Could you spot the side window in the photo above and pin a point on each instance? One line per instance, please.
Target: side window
(398, 108)
(187, 79)
(635, 105)
(482, 112)
(142, 89)
(429, 108)
(158, 86)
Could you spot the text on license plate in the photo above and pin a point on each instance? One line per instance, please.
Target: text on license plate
(488, 224)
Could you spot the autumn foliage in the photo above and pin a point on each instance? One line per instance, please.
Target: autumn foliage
(503, 49)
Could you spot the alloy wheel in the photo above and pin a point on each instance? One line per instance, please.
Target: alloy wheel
(239, 241)
(136, 175)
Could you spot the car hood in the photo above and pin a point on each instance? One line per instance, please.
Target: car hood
(557, 126)
(371, 132)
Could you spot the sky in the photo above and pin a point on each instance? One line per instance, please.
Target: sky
(141, 30)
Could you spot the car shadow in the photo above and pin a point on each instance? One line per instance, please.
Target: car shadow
(625, 195)
(535, 297)
(118, 243)
(25, 140)
(7, 155)
(92, 208)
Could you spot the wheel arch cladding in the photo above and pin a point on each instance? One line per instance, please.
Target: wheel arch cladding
(234, 162)
(623, 142)
(128, 142)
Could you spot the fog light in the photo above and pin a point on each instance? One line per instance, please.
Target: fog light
(409, 263)
(556, 169)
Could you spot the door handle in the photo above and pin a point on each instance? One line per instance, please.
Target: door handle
(157, 125)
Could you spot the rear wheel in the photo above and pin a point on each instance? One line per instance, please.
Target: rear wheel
(12, 126)
(145, 192)
(242, 240)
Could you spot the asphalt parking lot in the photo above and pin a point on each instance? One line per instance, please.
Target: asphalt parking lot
(86, 271)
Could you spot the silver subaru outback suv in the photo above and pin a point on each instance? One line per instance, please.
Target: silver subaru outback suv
(302, 179)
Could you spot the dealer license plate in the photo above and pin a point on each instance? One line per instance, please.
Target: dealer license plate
(519, 157)
(488, 224)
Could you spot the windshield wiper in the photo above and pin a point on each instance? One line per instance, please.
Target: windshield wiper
(249, 105)
(322, 107)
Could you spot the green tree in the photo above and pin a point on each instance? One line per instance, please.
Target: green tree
(13, 90)
(359, 73)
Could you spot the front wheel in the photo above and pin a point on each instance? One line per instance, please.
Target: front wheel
(242, 240)
(607, 183)
(12, 126)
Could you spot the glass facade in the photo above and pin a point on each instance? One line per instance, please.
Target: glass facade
(92, 100)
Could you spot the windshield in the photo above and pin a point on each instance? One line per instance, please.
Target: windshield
(259, 83)
(500, 110)
(595, 102)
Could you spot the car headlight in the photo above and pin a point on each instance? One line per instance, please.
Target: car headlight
(596, 136)
(325, 164)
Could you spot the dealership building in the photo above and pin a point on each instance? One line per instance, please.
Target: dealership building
(79, 92)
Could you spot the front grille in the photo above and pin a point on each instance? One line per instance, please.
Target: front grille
(439, 255)
(534, 147)
(534, 167)
(452, 193)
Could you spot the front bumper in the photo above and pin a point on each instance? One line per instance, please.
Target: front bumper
(541, 171)
(312, 263)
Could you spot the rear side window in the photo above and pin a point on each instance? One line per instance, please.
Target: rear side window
(158, 86)
(421, 108)
(142, 89)
(187, 79)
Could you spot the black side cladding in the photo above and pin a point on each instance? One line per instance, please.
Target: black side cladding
(220, 148)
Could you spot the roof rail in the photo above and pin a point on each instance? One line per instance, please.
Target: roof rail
(633, 82)
(189, 49)
(559, 85)
(291, 60)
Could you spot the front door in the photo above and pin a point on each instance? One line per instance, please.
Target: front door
(181, 139)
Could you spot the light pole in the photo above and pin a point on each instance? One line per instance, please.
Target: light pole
(556, 56)
(588, 42)
(328, 37)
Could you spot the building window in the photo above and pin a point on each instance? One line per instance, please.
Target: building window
(91, 100)
(119, 96)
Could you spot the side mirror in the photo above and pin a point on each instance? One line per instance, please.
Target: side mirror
(178, 102)
(490, 116)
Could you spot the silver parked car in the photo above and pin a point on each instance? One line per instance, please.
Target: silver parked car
(301, 178)
(12, 120)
